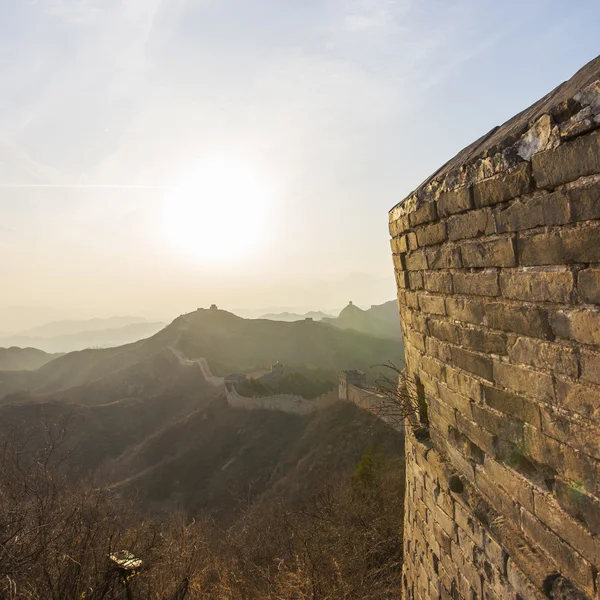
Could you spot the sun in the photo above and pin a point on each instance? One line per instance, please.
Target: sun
(217, 213)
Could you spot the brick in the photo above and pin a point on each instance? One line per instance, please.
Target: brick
(583, 507)
(580, 434)
(433, 367)
(477, 364)
(471, 224)
(579, 325)
(416, 339)
(498, 424)
(415, 279)
(419, 322)
(543, 355)
(567, 246)
(470, 311)
(513, 484)
(483, 340)
(456, 201)
(494, 552)
(411, 300)
(588, 285)
(537, 286)
(433, 305)
(499, 499)
(415, 261)
(495, 253)
(457, 401)
(479, 436)
(402, 279)
(541, 211)
(425, 213)
(443, 330)
(505, 186)
(567, 162)
(571, 563)
(441, 410)
(585, 202)
(438, 349)
(590, 366)
(477, 283)
(431, 234)
(463, 384)
(438, 281)
(443, 258)
(411, 240)
(529, 383)
(521, 584)
(511, 404)
(579, 398)
(548, 511)
(526, 320)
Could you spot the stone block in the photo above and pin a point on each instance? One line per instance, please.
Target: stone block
(583, 507)
(499, 425)
(494, 494)
(537, 286)
(513, 405)
(567, 246)
(415, 261)
(425, 213)
(469, 311)
(579, 398)
(402, 245)
(416, 339)
(588, 285)
(433, 367)
(590, 366)
(568, 162)
(478, 364)
(572, 564)
(438, 281)
(443, 258)
(477, 283)
(483, 340)
(460, 403)
(521, 584)
(471, 224)
(463, 384)
(552, 357)
(433, 305)
(503, 187)
(456, 201)
(438, 349)
(527, 382)
(415, 279)
(579, 434)
(525, 319)
(512, 483)
(402, 279)
(541, 211)
(499, 252)
(444, 330)
(411, 300)
(476, 434)
(431, 234)
(585, 202)
(578, 325)
(495, 553)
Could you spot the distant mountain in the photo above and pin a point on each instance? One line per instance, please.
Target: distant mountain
(380, 320)
(82, 339)
(289, 317)
(72, 327)
(20, 359)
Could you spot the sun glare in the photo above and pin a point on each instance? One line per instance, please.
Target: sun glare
(218, 212)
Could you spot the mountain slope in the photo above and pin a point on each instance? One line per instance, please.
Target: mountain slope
(379, 320)
(20, 359)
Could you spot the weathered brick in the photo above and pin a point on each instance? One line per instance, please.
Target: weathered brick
(483, 340)
(415, 279)
(463, 384)
(579, 325)
(524, 381)
(433, 305)
(572, 564)
(579, 398)
(551, 209)
(470, 311)
(499, 499)
(521, 584)
(537, 286)
(524, 319)
(567, 246)
(588, 285)
(471, 224)
(443, 330)
(438, 349)
(567, 162)
(583, 507)
(443, 258)
(512, 483)
(493, 253)
(415, 261)
(402, 279)
(505, 186)
(438, 281)
(499, 424)
(416, 339)
(431, 234)
(432, 367)
(425, 213)
(477, 283)
(457, 401)
(580, 434)
(585, 201)
(543, 355)
(453, 202)
(590, 366)
(479, 436)
(477, 364)
(512, 405)
(419, 322)
(411, 300)
(411, 240)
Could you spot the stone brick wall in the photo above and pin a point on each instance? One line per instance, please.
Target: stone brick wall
(497, 262)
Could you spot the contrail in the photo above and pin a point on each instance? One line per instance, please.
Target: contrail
(83, 186)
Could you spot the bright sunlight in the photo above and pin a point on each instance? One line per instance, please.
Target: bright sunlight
(218, 212)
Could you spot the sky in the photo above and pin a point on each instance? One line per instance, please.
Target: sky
(161, 155)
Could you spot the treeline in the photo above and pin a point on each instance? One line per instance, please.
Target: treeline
(57, 539)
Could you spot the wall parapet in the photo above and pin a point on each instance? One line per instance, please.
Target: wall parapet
(497, 264)
(281, 402)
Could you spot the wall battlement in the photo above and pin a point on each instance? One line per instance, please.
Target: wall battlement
(497, 264)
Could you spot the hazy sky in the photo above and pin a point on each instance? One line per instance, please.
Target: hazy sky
(158, 155)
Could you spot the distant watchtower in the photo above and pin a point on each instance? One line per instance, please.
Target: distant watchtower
(349, 378)
(214, 307)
